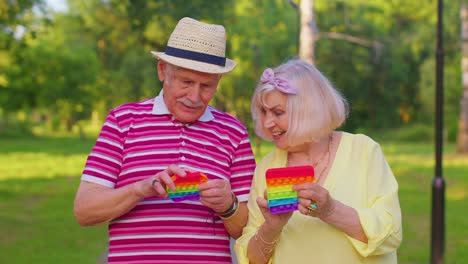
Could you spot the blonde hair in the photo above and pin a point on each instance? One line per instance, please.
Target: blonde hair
(316, 110)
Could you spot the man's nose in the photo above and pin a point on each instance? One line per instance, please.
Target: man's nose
(194, 93)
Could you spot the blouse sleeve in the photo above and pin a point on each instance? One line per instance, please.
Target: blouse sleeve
(381, 218)
(255, 216)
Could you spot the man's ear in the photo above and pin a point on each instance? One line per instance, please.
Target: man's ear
(162, 68)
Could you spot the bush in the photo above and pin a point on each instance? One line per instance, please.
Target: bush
(15, 129)
(409, 133)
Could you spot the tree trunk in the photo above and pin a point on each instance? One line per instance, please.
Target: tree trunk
(462, 139)
(308, 31)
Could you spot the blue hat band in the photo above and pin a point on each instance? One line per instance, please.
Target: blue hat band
(196, 56)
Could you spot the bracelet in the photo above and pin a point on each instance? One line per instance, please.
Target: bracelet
(231, 210)
(257, 237)
(267, 248)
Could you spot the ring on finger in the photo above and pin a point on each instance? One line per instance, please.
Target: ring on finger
(154, 182)
(313, 206)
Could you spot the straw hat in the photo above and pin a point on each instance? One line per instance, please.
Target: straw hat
(197, 46)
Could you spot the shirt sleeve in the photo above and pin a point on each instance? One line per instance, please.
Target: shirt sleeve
(381, 218)
(105, 160)
(242, 169)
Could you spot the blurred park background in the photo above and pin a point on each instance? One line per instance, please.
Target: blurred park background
(64, 66)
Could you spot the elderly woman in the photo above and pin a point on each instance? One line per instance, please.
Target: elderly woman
(351, 213)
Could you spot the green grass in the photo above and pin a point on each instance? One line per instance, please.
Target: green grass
(413, 165)
(38, 181)
(39, 177)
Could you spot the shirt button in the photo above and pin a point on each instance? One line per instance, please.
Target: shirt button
(183, 143)
(182, 158)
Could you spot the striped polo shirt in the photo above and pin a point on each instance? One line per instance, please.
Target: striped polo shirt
(141, 139)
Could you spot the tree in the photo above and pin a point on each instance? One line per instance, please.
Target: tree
(54, 81)
(378, 53)
(308, 31)
(462, 138)
(309, 35)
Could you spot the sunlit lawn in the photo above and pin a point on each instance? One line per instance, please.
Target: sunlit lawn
(39, 177)
(38, 180)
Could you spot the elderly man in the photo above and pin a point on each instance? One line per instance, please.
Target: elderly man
(143, 146)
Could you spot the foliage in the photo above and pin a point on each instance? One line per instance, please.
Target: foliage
(67, 95)
(388, 77)
(384, 94)
(13, 16)
(423, 133)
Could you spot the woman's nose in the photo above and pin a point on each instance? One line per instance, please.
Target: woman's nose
(268, 121)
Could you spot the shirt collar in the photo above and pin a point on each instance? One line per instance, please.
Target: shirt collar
(160, 108)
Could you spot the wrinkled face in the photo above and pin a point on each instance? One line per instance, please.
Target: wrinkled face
(275, 117)
(187, 92)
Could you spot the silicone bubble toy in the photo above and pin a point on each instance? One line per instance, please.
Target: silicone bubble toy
(281, 197)
(186, 187)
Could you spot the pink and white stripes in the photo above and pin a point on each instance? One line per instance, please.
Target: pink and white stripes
(135, 144)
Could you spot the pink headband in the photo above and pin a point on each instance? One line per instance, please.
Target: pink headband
(281, 84)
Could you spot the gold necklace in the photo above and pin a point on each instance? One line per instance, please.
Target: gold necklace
(330, 142)
(314, 164)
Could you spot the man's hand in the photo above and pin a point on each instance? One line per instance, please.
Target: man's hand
(216, 194)
(156, 184)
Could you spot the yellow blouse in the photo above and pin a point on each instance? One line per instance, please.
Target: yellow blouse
(359, 177)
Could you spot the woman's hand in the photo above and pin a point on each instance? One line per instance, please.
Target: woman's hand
(314, 200)
(272, 221)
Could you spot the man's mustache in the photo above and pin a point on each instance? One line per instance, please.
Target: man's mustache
(189, 103)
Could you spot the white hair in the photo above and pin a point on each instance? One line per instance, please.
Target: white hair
(316, 110)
